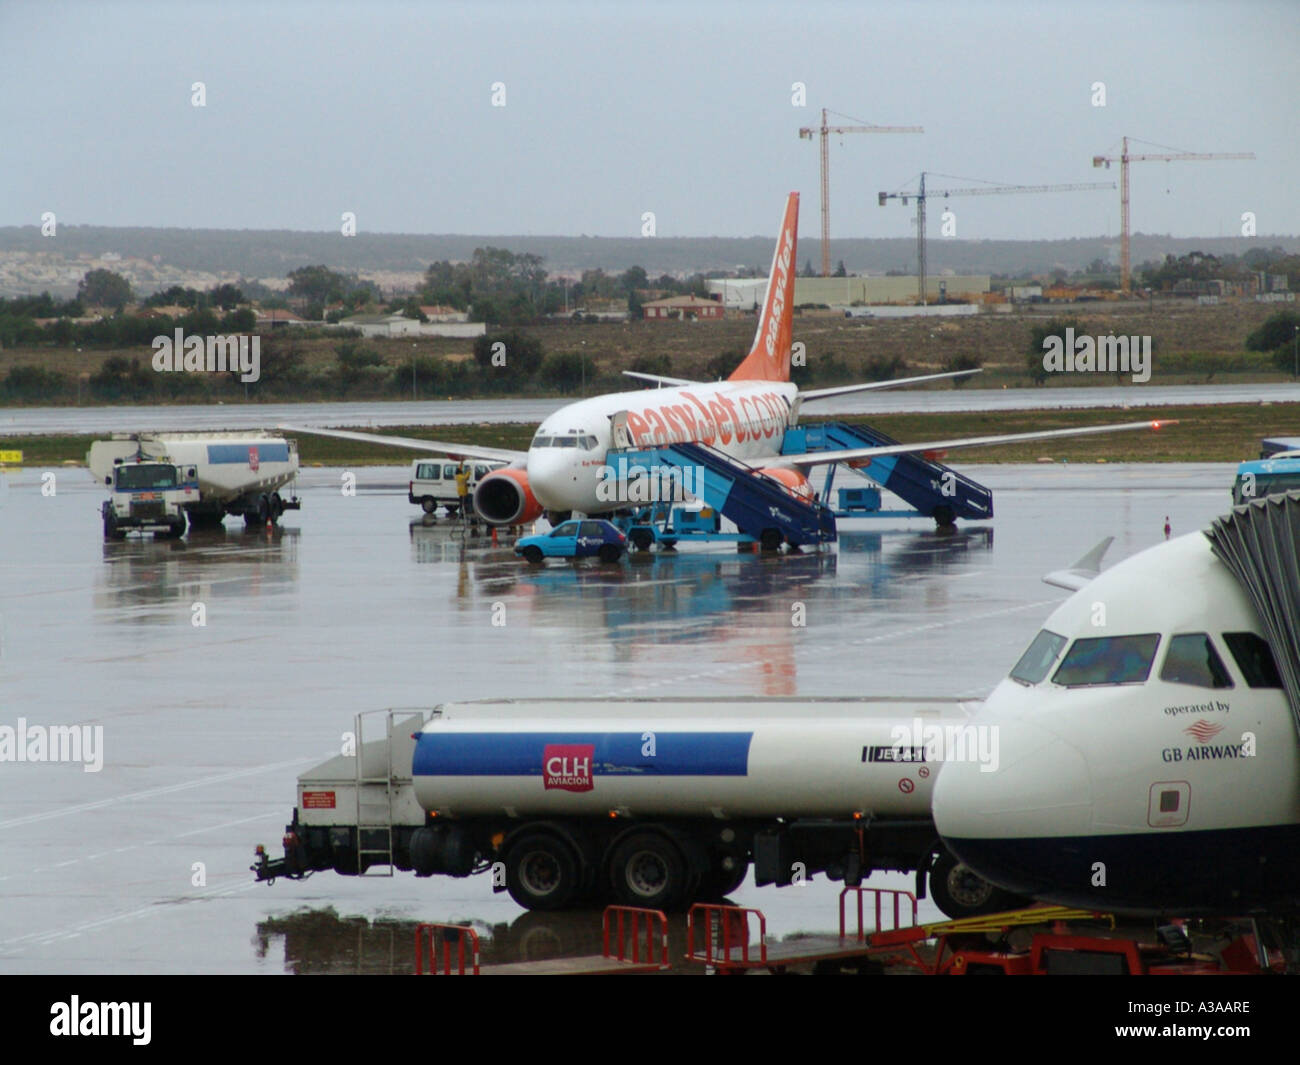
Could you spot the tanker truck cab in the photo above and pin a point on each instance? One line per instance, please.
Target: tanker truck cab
(148, 496)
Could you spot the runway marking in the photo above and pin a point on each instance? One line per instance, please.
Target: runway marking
(20, 943)
(151, 793)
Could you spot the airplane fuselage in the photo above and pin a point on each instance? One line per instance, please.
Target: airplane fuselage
(1160, 773)
(567, 459)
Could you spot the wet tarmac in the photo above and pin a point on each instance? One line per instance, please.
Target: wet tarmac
(18, 421)
(359, 603)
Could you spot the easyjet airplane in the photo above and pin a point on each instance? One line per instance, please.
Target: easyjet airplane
(745, 416)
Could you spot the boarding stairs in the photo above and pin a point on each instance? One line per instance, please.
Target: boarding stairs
(760, 506)
(934, 490)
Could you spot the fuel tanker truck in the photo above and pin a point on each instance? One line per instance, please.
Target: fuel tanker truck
(158, 481)
(655, 803)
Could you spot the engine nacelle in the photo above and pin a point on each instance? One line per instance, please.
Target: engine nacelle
(503, 497)
(794, 481)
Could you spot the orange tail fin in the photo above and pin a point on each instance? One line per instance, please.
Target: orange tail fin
(769, 358)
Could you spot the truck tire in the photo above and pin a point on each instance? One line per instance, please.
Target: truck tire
(641, 539)
(277, 507)
(541, 872)
(648, 870)
(263, 509)
(176, 530)
(770, 539)
(959, 892)
(610, 552)
(250, 519)
(111, 530)
(720, 883)
(428, 504)
(944, 516)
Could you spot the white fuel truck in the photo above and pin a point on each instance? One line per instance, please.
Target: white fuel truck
(654, 802)
(158, 481)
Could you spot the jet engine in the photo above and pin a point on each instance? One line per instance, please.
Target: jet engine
(793, 481)
(503, 497)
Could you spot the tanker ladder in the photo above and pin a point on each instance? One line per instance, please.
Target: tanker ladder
(760, 506)
(932, 489)
(727, 944)
(635, 941)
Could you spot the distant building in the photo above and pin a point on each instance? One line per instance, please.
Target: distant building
(437, 312)
(278, 319)
(398, 325)
(683, 307)
(748, 293)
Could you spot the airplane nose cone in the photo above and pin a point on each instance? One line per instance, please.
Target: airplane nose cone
(553, 477)
(1009, 823)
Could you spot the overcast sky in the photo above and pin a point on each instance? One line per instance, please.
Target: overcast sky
(685, 110)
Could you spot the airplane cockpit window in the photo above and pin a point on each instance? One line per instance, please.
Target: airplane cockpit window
(564, 441)
(1254, 658)
(1192, 659)
(1107, 660)
(540, 440)
(1036, 661)
(587, 443)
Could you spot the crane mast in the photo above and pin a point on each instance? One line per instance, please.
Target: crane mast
(806, 133)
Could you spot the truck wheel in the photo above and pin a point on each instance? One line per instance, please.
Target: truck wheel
(770, 540)
(610, 552)
(263, 509)
(250, 519)
(428, 504)
(533, 554)
(944, 516)
(111, 531)
(720, 883)
(277, 507)
(647, 870)
(176, 530)
(541, 873)
(960, 892)
(452, 510)
(641, 539)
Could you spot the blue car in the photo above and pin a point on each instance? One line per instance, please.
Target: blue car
(575, 539)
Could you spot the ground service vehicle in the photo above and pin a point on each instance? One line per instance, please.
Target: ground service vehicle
(653, 802)
(433, 483)
(575, 539)
(159, 481)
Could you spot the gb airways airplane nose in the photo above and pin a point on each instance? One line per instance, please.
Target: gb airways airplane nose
(1009, 824)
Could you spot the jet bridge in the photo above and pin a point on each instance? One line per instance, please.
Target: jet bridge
(1259, 542)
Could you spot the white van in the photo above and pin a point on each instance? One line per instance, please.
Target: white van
(433, 483)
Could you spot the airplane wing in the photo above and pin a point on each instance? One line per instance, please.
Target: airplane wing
(1083, 571)
(437, 447)
(842, 390)
(660, 379)
(822, 458)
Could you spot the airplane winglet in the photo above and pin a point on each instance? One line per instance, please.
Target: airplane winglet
(1082, 572)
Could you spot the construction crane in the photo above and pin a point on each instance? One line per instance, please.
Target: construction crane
(1124, 160)
(806, 134)
(981, 190)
